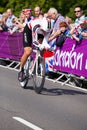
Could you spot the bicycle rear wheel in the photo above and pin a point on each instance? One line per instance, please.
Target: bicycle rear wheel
(39, 75)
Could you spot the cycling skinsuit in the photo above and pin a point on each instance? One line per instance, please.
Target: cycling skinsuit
(27, 36)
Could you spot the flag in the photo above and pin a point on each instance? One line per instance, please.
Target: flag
(49, 56)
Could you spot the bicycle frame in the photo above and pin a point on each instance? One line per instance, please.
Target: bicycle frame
(35, 62)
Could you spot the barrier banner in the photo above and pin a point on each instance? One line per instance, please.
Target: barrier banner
(11, 46)
(72, 57)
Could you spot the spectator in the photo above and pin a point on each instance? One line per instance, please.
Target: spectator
(38, 12)
(3, 26)
(53, 14)
(55, 32)
(69, 22)
(15, 26)
(84, 34)
(64, 33)
(22, 17)
(80, 17)
(50, 21)
(10, 18)
(80, 29)
(18, 23)
(80, 20)
(84, 28)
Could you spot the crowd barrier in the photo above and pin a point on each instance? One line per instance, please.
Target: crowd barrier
(11, 46)
(70, 58)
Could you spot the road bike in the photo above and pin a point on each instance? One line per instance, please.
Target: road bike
(35, 65)
(35, 69)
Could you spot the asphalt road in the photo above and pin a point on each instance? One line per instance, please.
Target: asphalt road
(57, 108)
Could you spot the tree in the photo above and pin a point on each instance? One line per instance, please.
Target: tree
(65, 7)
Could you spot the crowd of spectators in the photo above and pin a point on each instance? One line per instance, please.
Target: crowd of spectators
(9, 22)
(60, 27)
(64, 26)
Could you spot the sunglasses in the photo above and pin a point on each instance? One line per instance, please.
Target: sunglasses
(77, 11)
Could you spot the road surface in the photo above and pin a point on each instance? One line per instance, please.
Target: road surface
(57, 108)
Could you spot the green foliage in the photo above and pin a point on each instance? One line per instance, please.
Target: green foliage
(65, 7)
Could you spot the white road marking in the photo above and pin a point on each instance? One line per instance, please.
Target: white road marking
(34, 127)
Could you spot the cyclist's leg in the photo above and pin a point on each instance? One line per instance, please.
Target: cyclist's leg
(27, 43)
(26, 54)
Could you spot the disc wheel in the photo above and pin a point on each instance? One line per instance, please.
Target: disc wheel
(39, 75)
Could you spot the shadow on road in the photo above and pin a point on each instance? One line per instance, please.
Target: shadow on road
(59, 91)
(29, 87)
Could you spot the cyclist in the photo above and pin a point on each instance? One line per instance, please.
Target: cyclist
(27, 43)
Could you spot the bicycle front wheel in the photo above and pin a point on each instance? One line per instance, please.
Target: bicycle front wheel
(39, 75)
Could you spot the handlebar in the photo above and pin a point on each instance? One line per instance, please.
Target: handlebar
(36, 45)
